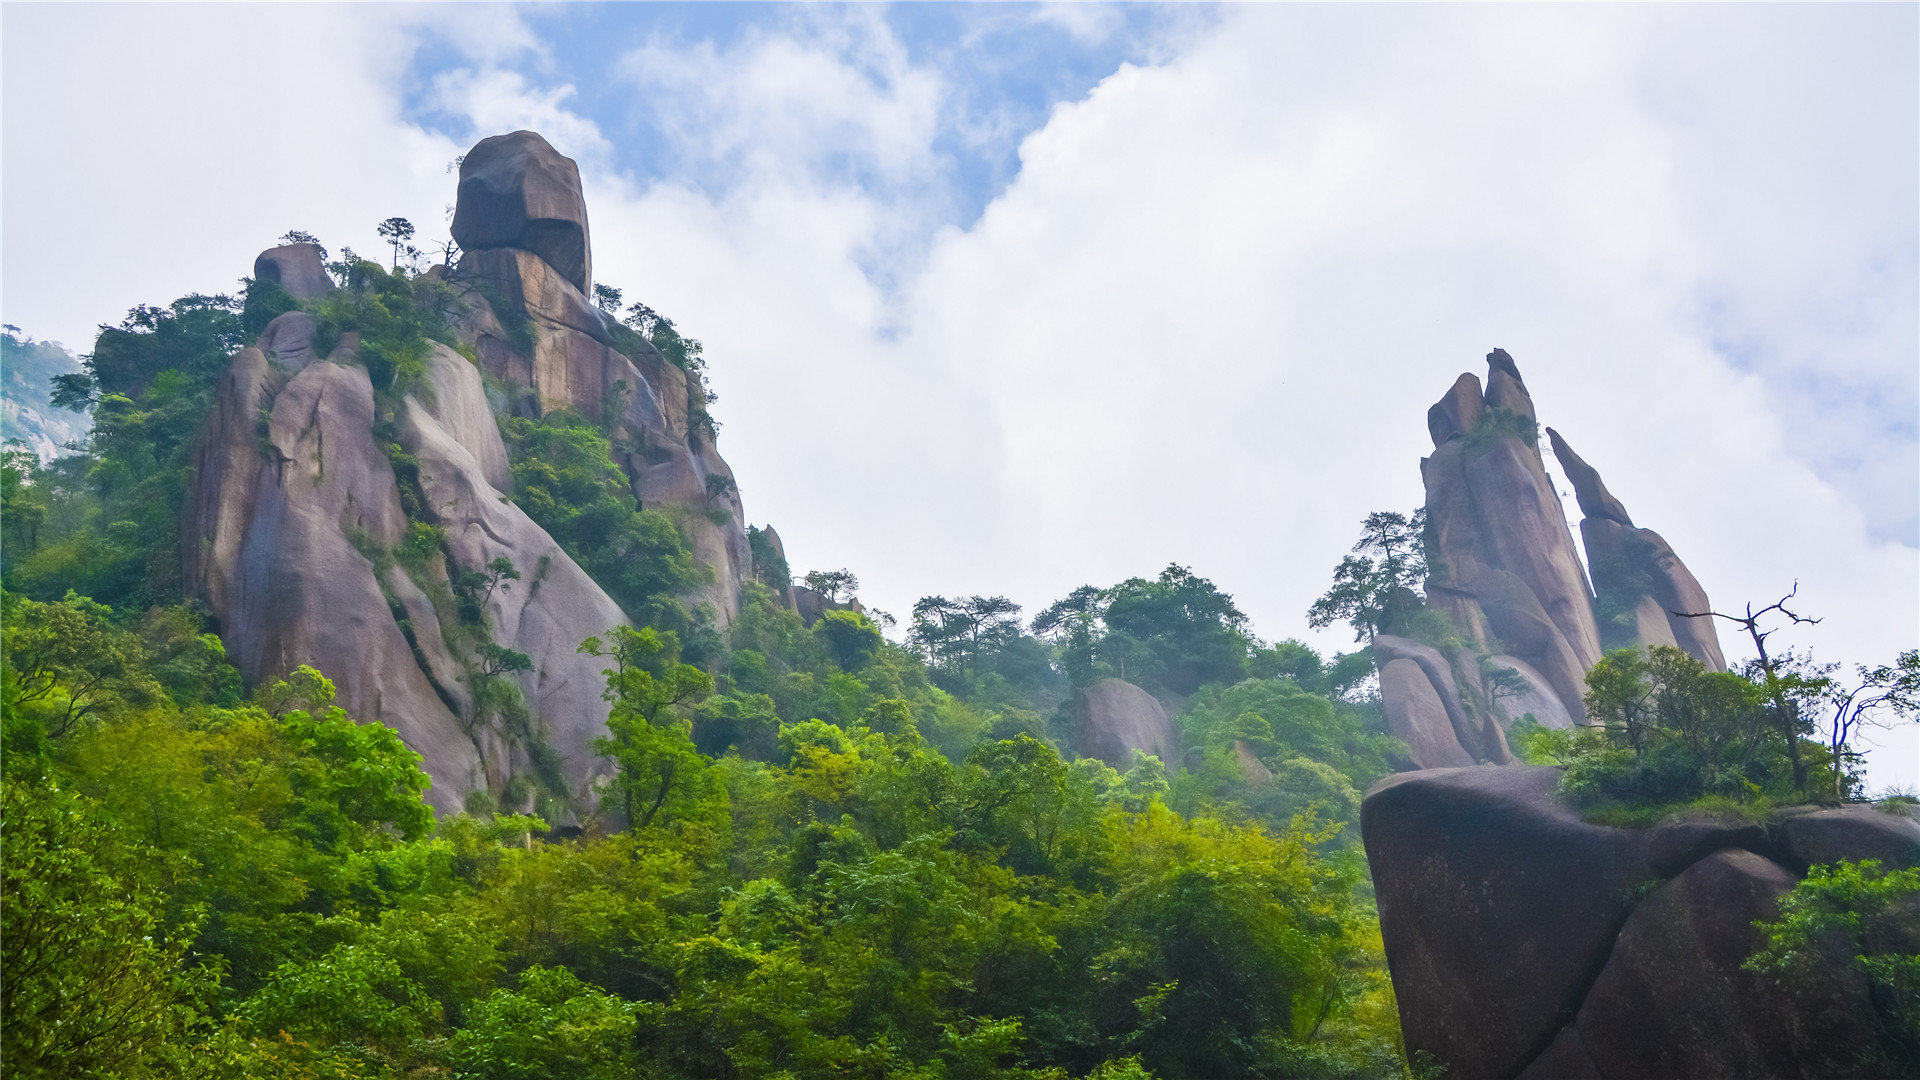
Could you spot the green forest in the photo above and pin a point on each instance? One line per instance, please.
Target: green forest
(825, 853)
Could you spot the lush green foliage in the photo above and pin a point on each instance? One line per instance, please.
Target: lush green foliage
(267, 896)
(1672, 733)
(1171, 634)
(816, 854)
(1861, 916)
(566, 480)
(1373, 586)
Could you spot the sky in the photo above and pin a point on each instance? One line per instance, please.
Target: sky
(1008, 299)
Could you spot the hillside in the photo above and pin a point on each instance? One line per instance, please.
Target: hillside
(395, 685)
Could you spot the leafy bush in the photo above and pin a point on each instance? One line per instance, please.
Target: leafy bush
(1865, 913)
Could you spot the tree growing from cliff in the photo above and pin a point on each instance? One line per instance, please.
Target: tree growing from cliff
(396, 231)
(606, 298)
(1374, 585)
(832, 583)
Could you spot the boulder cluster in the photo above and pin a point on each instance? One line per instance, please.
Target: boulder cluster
(1528, 944)
(1508, 587)
(296, 494)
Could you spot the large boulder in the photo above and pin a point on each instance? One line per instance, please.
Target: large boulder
(1674, 1001)
(288, 341)
(1525, 942)
(517, 191)
(1112, 718)
(1809, 837)
(297, 268)
(276, 540)
(1417, 716)
(1497, 904)
(554, 606)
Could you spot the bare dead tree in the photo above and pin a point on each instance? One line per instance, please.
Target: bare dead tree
(1786, 712)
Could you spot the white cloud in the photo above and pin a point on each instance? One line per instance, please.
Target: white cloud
(1204, 322)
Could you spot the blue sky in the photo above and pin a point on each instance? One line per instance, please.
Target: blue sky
(1006, 299)
(1001, 69)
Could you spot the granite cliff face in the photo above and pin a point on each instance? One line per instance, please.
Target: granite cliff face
(298, 525)
(1506, 582)
(1526, 943)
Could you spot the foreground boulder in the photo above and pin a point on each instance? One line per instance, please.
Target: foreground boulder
(1524, 942)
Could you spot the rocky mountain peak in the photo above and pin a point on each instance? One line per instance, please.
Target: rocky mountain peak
(517, 191)
(1506, 578)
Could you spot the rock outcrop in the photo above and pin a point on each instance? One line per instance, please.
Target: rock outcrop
(334, 527)
(277, 531)
(1504, 575)
(1112, 718)
(1524, 942)
(297, 268)
(521, 217)
(1502, 563)
(1642, 585)
(517, 191)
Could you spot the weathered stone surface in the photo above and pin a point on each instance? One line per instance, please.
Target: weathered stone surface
(1677, 845)
(573, 364)
(1673, 1001)
(272, 548)
(1417, 716)
(1626, 561)
(1486, 505)
(533, 289)
(1526, 534)
(1635, 571)
(1467, 729)
(457, 401)
(1809, 837)
(517, 191)
(1588, 489)
(551, 609)
(1497, 904)
(1539, 698)
(288, 341)
(1458, 413)
(297, 268)
(1112, 718)
(1252, 769)
(1565, 1059)
(1517, 947)
(446, 672)
(1504, 388)
(1515, 616)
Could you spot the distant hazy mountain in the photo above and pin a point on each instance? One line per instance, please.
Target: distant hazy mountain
(26, 369)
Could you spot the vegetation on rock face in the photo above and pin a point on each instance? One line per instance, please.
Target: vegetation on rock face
(1672, 734)
(1862, 915)
(821, 853)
